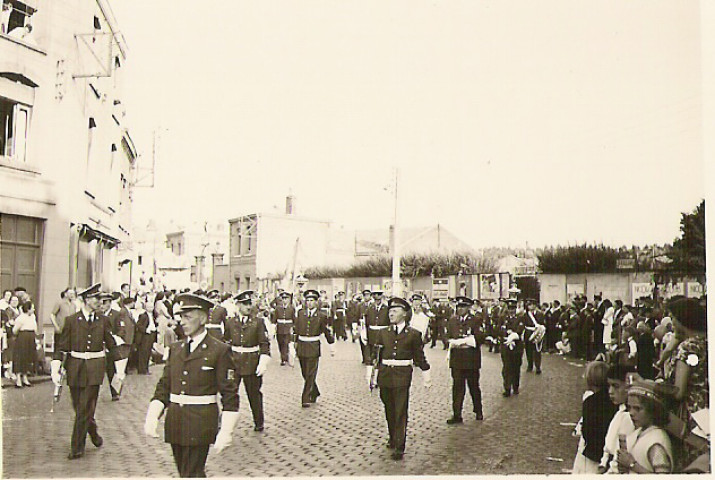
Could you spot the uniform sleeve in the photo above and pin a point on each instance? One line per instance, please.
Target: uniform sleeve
(418, 354)
(378, 341)
(108, 338)
(479, 330)
(163, 387)
(325, 330)
(226, 379)
(66, 334)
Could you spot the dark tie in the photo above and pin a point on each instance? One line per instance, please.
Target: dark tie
(395, 329)
(188, 347)
(91, 318)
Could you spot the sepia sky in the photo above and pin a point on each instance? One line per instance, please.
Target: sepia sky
(547, 122)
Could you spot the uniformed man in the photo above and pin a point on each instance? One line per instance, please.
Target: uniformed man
(197, 369)
(420, 317)
(84, 338)
(310, 323)
(465, 334)
(362, 321)
(511, 348)
(338, 312)
(401, 348)
(217, 317)
(113, 317)
(376, 318)
(352, 317)
(282, 317)
(246, 334)
(534, 332)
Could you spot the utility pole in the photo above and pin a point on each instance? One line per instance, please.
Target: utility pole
(396, 282)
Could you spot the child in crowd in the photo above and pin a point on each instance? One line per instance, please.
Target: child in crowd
(597, 413)
(563, 346)
(621, 424)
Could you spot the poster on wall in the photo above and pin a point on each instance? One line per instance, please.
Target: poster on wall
(674, 289)
(503, 285)
(489, 286)
(440, 288)
(640, 290)
(695, 290)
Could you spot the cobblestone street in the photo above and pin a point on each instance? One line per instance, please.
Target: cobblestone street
(344, 434)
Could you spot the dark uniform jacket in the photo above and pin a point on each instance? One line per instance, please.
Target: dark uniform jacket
(511, 323)
(406, 345)
(127, 323)
(352, 315)
(252, 334)
(80, 335)
(207, 370)
(280, 316)
(117, 327)
(465, 357)
(376, 316)
(141, 337)
(339, 309)
(217, 316)
(311, 324)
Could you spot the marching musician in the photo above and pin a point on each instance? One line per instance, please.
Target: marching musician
(511, 348)
(534, 331)
(197, 369)
(401, 349)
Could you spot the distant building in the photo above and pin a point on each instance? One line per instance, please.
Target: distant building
(67, 159)
(414, 240)
(517, 266)
(197, 245)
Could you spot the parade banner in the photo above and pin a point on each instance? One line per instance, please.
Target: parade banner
(489, 287)
(440, 288)
(695, 290)
(640, 290)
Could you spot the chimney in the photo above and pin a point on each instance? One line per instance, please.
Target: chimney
(290, 202)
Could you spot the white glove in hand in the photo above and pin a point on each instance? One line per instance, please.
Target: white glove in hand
(55, 366)
(331, 346)
(225, 435)
(152, 418)
(118, 340)
(470, 342)
(121, 368)
(263, 361)
(368, 374)
(426, 378)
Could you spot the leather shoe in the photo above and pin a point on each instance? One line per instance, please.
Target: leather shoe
(306, 405)
(397, 455)
(390, 445)
(74, 455)
(258, 428)
(454, 420)
(115, 398)
(506, 394)
(480, 416)
(538, 372)
(516, 391)
(97, 440)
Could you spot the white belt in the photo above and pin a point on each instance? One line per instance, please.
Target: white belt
(378, 327)
(397, 363)
(304, 338)
(87, 355)
(245, 349)
(192, 399)
(280, 320)
(340, 310)
(213, 325)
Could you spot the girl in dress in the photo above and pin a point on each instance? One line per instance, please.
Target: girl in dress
(23, 357)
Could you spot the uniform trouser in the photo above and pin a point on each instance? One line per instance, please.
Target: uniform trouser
(511, 367)
(283, 345)
(339, 326)
(365, 351)
(396, 400)
(84, 402)
(111, 370)
(309, 369)
(461, 378)
(252, 384)
(190, 460)
(57, 354)
(533, 357)
(143, 354)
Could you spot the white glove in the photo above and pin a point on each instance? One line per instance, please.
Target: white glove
(118, 340)
(368, 374)
(470, 342)
(331, 347)
(55, 366)
(291, 354)
(426, 378)
(152, 418)
(263, 362)
(363, 332)
(225, 435)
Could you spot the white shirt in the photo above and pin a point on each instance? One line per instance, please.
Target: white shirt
(195, 341)
(25, 322)
(400, 327)
(621, 424)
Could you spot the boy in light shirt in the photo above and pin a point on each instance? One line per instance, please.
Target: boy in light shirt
(621, 423)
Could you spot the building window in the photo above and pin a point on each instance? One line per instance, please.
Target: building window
(14, 126)
(16, 16)
(248, 283)
(139, 259)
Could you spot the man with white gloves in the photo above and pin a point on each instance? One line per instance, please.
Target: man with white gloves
(198, 367)
(401, 349)
(465, 332)
(84, 338)
(246, 334)
(310, 323)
